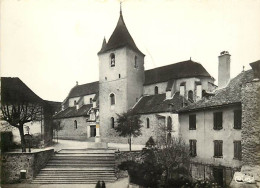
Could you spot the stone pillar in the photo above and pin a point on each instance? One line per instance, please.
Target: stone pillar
(97, 138)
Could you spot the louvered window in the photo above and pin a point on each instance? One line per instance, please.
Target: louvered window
(237, 119)
(218, 148)
(192, 122)
(193, 148)
(237, 150)
(218, 121)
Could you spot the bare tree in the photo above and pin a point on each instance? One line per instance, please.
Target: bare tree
(128, 125)
(19, 105)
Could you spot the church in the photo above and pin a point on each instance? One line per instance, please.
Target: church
(90, 110)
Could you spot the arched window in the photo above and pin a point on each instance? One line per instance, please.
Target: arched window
(169, 124)
(112, 122)
(75, 124)
(90, 100)
(136, 65)
(190, 95)
(112, 60)
(112, 99)
(155, 90)
(147, 123)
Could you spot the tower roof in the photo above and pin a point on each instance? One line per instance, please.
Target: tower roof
(120, 38)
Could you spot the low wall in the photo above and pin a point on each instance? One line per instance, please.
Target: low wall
(13, 162)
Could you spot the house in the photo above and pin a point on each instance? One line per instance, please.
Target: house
(14, 91)
(223, 129)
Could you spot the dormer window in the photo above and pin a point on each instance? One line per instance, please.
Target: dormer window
(75, 102)
(112, 99)
(90, 100)
(136, 65)
(112, 60)
(155, 90)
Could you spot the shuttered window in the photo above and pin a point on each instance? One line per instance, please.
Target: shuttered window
(218, 148)
(192, 122)
(193, 148)
(237, 119)
(237, 150)
(218, 121)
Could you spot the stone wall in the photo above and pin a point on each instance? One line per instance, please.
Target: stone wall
(13, 162)
(251, 129)
(123, 156)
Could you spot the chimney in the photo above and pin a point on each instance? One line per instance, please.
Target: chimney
(256, 69)
(223, 69)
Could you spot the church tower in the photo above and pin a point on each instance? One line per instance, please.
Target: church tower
(121, 77)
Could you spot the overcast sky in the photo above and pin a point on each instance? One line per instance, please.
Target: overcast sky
(51, 44)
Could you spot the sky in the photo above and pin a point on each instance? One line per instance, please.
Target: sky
(51, 44)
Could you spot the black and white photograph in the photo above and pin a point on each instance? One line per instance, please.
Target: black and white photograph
(130, 93)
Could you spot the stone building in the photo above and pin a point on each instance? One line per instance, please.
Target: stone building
(219, 128)
(123, 84)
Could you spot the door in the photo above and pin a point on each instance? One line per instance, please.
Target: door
(218, 174)
(92, 131)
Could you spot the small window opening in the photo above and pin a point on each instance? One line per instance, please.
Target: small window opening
(112, 60)
(147, 123)
(112, 99)
(119, 76)
(90, 100)
(136, 65)
(112, 122)
(75, 124)
(155, 90)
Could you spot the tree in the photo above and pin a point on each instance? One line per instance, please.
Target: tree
(128, 125)
(19, 105)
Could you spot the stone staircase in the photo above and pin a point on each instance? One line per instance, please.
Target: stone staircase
(79, 166)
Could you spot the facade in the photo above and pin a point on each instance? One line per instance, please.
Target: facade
(219, 129)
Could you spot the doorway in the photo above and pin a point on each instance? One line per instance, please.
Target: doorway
(92, 130)
(218, 174)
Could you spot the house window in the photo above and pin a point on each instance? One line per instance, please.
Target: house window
(136, 65)
(237, 150)
(192, 122)
(90, 100)
(190, 96)
(193, 148)
(112, 60)
(147, 123)
(218, 148)
(237, 119)
(218, 121)
(75, 124)
(112, 99)
(155, 90)
(112, 122)
(169, 124)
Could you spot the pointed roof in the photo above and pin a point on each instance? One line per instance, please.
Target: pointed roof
(120, 38)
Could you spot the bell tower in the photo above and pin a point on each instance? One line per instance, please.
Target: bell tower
(121, 77)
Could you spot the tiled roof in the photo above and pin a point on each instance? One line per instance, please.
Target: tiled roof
(228, 95)
(14, 90)
(73, 112)
(184, 69)
(85, 89)
(157, 104)
(119, 38)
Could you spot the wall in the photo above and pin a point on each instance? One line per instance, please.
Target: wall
(33, 162)
(251, 128)
(205, 135)
(68, 130)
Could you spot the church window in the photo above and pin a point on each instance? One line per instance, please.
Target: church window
(75, 124)
(169, 124)
(90, 100)
(112, 99)
(112, 122)
(156, 90)
(136, 65)
(148, 123)
(190, 96)
(112, 60)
